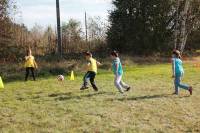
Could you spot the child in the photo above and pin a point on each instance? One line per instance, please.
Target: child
(178, 71)
(118, 72)
(91, 72)
(30, 64)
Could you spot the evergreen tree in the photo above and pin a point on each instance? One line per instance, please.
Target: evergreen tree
(140, 26)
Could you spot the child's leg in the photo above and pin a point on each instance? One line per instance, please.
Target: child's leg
(117, 83)
(183, 86)
(92, 77)
(85, 79)
(33, 74)
(176, 83)
(27, 73)
(124, 85)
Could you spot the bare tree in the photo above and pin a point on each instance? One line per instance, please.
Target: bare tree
(187, 20)
(71, 32)
(97, 28)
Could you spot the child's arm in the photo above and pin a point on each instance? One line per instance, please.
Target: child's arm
(86, 66)
(35, 64)
(117, 66)
(27, 57)
(99, 63)
(173, 68)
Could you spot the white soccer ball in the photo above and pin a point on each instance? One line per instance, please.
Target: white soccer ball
(61, 78)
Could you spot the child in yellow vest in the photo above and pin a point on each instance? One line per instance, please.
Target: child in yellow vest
(30, 65)
(91, 72)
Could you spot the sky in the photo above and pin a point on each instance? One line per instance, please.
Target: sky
(43, 12)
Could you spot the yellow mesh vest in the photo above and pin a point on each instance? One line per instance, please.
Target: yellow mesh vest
(93, 65)
(30, 61)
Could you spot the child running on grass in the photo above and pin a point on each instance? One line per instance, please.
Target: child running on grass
(30, 64)
(118, 72)
(91, 72)
(178, 72)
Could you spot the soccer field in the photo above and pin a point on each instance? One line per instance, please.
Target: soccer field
(48, 106)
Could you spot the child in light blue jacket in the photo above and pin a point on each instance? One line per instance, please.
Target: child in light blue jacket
(178, 72)
(118, 72)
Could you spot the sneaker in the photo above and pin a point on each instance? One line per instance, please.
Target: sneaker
(190, 90)
(122, 92)
(128, 89)
(175, 93)
(96, 89)
(84, 88)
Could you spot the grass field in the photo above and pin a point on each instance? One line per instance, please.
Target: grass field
(47, 106)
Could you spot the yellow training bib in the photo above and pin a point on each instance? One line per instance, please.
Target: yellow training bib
(92, 65)
(30, 61)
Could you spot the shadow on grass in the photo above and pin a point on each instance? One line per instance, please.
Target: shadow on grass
(60, 94)
(21, 78)
(42, 73)
(148, 97)
(145, 97)
(69, 96)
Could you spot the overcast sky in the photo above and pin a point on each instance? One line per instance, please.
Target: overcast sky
(43, 12)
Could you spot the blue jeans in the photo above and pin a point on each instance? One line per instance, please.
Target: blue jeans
(178, 84)
(90, 76)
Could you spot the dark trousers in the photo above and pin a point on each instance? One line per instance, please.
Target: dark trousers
(90, 76)
(28, 70)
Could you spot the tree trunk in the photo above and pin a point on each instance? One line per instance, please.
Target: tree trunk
(183, 36)
(176, 25)
(49, 42)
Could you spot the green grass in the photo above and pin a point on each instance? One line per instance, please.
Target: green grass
(47, 106)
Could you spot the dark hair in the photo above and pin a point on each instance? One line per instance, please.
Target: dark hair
(28, 51)
(177, 53)
(88, 54)
(114, 53)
